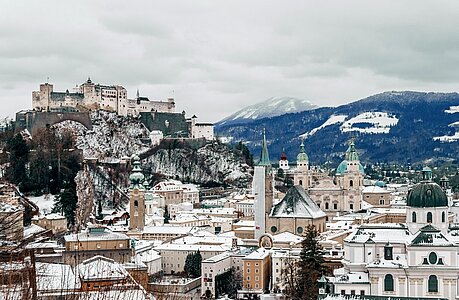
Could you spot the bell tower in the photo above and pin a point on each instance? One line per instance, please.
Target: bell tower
(301, 175)
(263, 190)
(136, 195)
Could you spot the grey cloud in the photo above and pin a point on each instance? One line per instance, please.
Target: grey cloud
(233, 53)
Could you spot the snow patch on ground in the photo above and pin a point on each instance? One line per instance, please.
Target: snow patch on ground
(449, 138)
(452, 110)
(333, 119)
(44, 202)
(378, 122)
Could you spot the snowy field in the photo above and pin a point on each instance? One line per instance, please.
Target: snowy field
(44, 202)
(368, 122)
(334, 119)
(450, 138)
(374, 122)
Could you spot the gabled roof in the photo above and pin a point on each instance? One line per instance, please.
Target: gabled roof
(101, 268)
(430, 236)
(297, 204)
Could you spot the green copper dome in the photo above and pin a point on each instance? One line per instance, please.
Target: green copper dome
(351, 153)
(302, 156)
(350, 156)
(342, 168)
(427, 194)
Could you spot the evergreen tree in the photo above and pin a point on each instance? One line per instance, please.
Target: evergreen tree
(65, 203)
(167, 217)
(308, 269)
(19, 152)
(193, 264)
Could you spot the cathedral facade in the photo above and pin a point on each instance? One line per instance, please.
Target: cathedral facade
(337, 194)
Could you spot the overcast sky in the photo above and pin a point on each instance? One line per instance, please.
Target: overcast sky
(216, 57)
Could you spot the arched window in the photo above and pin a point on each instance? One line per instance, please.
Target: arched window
(136, 203)
(388, 283)
(443, 217)
(301, 182)
(351, 183)
(413, 217)
(433, 284)
(429, 217)
(326, 205)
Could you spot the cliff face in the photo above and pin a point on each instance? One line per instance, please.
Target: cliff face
(211, 162)
(113, 137)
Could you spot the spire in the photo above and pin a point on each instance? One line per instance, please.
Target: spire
(138, 94)
(283, 155)
(264, 158)
(351, 153)
(302, 156)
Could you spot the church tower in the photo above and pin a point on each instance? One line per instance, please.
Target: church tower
(349, 175)
(136, 195)
(263, 190)
(283, 162)
(301, 175)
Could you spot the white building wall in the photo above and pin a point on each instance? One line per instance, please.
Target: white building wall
(258, 187)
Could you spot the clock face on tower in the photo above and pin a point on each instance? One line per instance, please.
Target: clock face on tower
(265, 241)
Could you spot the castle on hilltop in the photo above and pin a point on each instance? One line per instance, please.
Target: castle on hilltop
(159, 117)
(91, 96)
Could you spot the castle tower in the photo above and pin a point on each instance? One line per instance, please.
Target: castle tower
(301, 176)
(263, 190)
(136, 195)
(41, 98)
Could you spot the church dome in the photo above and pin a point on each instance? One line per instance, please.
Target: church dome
(342, 168)
(427, 194)
(350, 156)
(380, 183)
(302, 156)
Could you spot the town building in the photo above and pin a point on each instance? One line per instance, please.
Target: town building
(256, 272)
(174, 254)
(165, 233)
(54, 222)
(376, 196)
(175, 192)
(416, 259)
(94, 241)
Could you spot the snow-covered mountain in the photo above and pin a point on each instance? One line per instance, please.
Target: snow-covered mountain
(401, 127)
(274, 106)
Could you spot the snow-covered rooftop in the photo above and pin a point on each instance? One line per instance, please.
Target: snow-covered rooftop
(296, 204)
